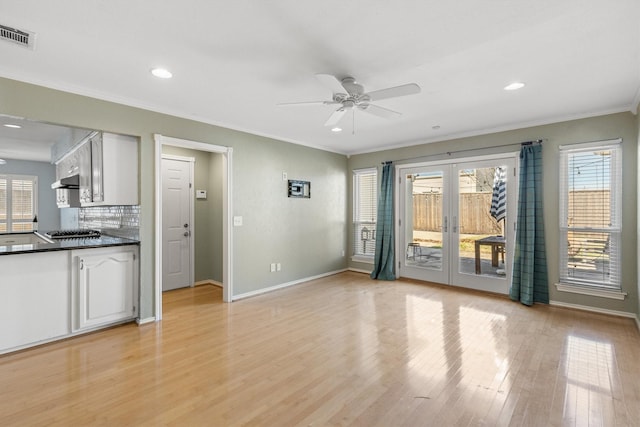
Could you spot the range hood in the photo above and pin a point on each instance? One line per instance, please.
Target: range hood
(72, 181)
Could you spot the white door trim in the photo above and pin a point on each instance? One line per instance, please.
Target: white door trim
(227, 210)
(192, 215)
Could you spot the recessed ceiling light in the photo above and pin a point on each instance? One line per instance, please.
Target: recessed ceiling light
(514, 86)
(436, 127)
(12, 126)
(3, 161)
(336, 129)
(161, 73)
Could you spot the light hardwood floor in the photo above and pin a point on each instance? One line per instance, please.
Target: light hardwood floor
(343, 350)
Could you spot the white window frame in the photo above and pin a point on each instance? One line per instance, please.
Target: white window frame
(357, 174)
(34, 194)
(613, 287)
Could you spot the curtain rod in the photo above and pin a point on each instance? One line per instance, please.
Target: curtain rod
(449, 153)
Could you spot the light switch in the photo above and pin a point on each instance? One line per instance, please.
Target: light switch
(237, 221)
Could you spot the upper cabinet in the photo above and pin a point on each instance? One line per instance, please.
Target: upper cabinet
(107, 165)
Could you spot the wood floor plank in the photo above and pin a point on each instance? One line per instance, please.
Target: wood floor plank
(338, 351)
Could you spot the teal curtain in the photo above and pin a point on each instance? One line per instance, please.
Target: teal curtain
(530, 283)
(385, 257)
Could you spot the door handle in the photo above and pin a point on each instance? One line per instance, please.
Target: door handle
(186, 234)
(186, 225)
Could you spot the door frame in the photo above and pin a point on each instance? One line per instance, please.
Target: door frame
(192, 216)
(398, 209)
(227, 210)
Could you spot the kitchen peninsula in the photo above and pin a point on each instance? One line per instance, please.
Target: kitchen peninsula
(51, 291)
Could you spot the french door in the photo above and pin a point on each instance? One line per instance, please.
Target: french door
(457, 222)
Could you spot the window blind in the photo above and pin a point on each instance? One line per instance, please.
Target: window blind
(365, 204)
(17, 203)
(590, 214)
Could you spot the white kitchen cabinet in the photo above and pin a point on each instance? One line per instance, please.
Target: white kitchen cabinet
(67, 198)
(112, 177)
(34, 298)
(107, 165)
(68, 165)
(83, 154)
(97, 168)
(104, 286)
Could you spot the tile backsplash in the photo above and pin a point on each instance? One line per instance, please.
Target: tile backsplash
(120, 221)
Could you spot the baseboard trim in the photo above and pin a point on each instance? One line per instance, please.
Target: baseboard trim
(359, 270)
(638, 323)
(208, 282)
(285, 285)
(145, 320)
(596, 310)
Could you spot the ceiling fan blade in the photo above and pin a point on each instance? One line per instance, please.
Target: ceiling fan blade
(308, 103)
(332, 83)
(392, 92)
(335, 117)
(380, 111)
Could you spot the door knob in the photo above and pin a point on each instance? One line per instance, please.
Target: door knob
(186, 234)
(186, 225)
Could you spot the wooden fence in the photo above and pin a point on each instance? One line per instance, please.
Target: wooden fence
(474, 213)
(588, 208)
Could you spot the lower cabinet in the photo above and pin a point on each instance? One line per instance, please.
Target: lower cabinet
(46, 296)
(104, 286)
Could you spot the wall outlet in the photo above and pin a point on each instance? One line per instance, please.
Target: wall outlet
(342, 253)
(278, 267)
(273, 267)
(284, 176)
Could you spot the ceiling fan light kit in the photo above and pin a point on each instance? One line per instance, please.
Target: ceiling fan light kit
(348, 94)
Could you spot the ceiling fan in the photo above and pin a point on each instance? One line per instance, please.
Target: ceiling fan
(350, 95)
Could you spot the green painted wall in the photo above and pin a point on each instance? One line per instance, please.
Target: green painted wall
(624, 125)
(638, 248)
(305, 236)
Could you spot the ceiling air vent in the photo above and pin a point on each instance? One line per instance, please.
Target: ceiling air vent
(23, 38)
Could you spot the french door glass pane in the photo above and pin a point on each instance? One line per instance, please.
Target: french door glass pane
(481, 241)
(424, 220)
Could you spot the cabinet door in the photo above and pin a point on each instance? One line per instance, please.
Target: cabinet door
(84, 164)
(97, 187)
(106, 288)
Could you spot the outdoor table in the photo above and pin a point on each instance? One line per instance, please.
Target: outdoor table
(497, 247)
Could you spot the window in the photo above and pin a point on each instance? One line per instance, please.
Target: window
(590, 214)
(365, 203)
(18, 195)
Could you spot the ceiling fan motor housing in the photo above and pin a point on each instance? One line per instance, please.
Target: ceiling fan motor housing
(353, 88)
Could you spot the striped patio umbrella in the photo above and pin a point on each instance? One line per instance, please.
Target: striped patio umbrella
(499, 198)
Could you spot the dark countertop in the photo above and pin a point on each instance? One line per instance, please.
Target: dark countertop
(67, 244)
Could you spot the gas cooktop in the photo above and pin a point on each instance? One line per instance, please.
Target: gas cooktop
(72, 234)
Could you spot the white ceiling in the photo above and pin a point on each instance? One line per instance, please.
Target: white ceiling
(233, 61)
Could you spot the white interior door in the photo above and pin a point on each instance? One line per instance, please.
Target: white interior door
(449, 233)
(176, 223)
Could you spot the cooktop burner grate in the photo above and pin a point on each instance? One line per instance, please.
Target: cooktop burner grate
(72, 234)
